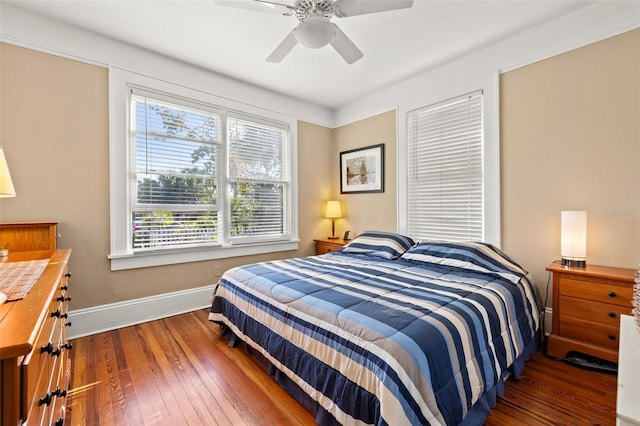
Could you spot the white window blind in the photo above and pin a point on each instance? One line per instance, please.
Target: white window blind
(175, 192)
(258, 178)
(445, 170)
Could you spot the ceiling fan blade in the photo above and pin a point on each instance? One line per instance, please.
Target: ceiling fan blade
(345, 8)
(259, 5)
(345, 47)
(283, 48)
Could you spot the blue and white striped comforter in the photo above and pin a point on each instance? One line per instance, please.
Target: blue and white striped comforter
(374, 341)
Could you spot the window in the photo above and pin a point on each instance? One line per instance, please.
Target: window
(449, 148)
(176, 159)
(197, 177)
(444, 174)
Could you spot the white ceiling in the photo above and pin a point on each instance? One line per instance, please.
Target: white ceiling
(235, 42)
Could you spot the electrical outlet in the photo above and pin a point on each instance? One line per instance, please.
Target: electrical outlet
(216, 271)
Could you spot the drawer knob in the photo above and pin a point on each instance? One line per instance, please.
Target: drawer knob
(59, 422)
(67, 324)
(612, 314)
(62, 299)
(59, 314)
(68, 275)
(59, 393)
(64, 287)
(612, 337)
(612, 294)
(67, 346)
(57, 352)
(48, 348)
(46, 400)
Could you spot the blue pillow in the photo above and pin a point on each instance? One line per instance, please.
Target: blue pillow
(379, 244)
(480, 257)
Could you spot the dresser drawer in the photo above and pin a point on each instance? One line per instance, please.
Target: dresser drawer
(588, 310)
(37, 371)
(605, 292)
(599, 334)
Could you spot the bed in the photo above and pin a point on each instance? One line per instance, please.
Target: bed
(385, 331)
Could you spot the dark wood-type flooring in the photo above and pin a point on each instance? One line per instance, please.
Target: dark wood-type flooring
(179, 371)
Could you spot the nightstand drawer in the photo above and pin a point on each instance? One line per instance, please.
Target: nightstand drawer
(590, 332)
(598, 292)
(324, 248)
(327, 245)
(587, 310)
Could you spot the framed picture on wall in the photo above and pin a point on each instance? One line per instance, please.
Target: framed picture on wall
(362, 170)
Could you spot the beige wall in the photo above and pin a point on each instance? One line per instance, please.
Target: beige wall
(54, 128)
(368, 211)
(570, 140)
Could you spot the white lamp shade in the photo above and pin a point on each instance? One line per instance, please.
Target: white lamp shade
(6, 184)
(333, 209)
(573, 236)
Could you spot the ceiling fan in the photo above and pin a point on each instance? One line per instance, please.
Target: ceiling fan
(315, 28)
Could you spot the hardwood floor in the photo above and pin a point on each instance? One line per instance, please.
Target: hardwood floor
(179, 371)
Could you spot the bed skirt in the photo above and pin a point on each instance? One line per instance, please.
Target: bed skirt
(476, 416)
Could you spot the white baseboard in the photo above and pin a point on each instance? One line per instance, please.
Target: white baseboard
(97, 319)
(122, 314)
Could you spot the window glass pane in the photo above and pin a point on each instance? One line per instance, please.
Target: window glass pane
(257, 209)
(256, 151)
(176, 154)
(161, 229)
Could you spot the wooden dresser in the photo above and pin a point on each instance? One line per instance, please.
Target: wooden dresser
(587, 304)
(35, 358)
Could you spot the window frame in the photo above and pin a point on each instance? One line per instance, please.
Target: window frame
(121, 254)
(489, 85)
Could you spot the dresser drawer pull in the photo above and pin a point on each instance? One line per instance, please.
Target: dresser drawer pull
(57, 352)
(64, 287)
(68, 275)
(67, 346)
(59, 314)
(46, 400)
(612, 337)
(62, 299)
(59, 393)
(612, 294)
(48, 348)
(612, 314)
(67, 324)
(59, 422)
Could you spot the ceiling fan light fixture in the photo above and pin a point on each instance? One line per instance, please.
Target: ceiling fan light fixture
(315, 32)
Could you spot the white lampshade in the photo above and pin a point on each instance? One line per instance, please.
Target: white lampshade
(6, 184)
(333, 209)
(573, 238)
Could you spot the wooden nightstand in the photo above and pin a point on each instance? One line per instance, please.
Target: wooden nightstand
(587, 304)
(327, 245)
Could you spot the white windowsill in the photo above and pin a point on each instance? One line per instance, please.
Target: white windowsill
(144, 260)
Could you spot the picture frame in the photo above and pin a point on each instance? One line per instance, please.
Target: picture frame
(362, 170)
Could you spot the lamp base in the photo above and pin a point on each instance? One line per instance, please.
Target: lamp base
(574, 263)
(332, 238)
